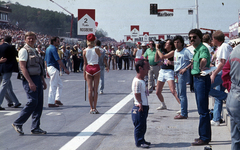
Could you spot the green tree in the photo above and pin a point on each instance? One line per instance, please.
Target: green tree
(100, 33)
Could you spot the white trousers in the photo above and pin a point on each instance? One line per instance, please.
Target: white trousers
(55, 89)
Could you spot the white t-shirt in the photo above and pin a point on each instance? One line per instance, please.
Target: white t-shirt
(191, 49)
(23, 54)
(139, 53)
(223, 52)
(210, 49)
(139, 86)
(182, 59)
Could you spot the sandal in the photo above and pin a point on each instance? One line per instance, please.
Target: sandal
(91, 111)
(95, 111)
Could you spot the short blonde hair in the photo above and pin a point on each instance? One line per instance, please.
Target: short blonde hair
(30, 33)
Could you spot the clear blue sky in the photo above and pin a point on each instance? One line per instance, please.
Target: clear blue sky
(116, 16)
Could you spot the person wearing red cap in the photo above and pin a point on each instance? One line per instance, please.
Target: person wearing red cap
(92, 71)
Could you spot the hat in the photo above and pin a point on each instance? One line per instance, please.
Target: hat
(139, 43)
(112, 46)
(143, 44)
(75, 46)
(90, 37)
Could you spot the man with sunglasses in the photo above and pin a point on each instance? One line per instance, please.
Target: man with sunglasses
(154, 67)
(202, 84)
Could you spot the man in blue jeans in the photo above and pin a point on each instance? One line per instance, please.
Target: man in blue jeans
(182, 62)
(140, 108)
(102, 61)
(8, 64)
(217, 90)
(201, 61)
(33, 84)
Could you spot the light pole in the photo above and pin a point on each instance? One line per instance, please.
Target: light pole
(72, 16)
(196, 7)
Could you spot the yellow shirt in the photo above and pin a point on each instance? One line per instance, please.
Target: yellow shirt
(60, 53)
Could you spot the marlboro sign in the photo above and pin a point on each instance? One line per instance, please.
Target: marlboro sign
(165, 12)
(145, 36)
(134, 31)
(86, 21)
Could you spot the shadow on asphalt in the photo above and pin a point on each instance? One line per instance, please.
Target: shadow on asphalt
(71, 134)
(220, 142)
(113, 94)
(171, 145)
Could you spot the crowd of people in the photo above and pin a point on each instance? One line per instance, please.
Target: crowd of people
(208, 64)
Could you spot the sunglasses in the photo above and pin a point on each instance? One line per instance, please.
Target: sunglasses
(190, 37)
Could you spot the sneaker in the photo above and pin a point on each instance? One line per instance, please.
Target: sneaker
(18, 129)
(215, 123)
(178, 112)
(144, 146)
(101, 92)
(38, 131)
(162, 107)
(2, 108)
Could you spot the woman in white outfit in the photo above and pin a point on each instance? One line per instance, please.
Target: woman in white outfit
(92, 71)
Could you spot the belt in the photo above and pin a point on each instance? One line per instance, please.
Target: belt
(154, 65)
(197, 75)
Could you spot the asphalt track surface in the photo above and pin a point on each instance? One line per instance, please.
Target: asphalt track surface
(72, 127)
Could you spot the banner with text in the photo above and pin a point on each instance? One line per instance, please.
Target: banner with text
(165, 12)
(86, 21)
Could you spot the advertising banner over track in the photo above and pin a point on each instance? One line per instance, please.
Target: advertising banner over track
(165, 12)
(86, 21)
(134, 31)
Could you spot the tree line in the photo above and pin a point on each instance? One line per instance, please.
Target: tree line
(44, 21)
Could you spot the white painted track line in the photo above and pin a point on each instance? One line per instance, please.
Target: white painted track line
(79, 139)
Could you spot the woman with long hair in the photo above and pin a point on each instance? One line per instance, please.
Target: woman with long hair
(92, 71)
(166, 73)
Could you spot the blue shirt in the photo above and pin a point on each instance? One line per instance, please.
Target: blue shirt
(182, 59)
(52, 56)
